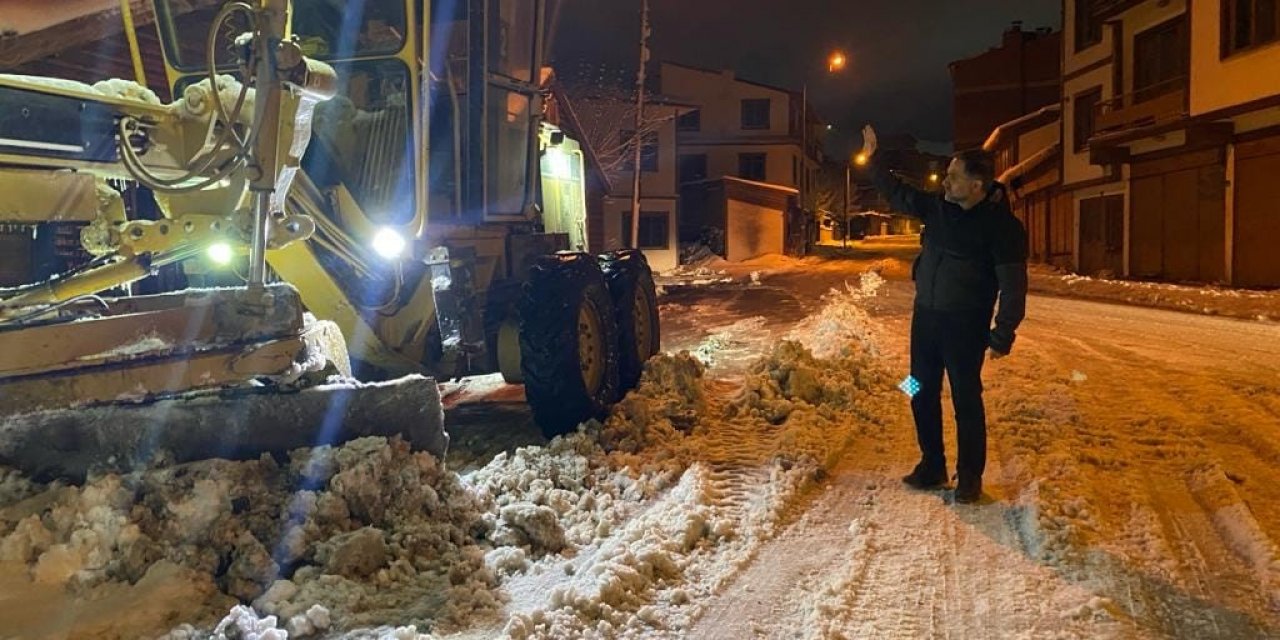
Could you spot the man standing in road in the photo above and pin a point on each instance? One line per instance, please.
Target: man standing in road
(974, 251)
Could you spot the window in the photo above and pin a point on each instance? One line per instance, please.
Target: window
(1161, 57)
(373, 155)
(751, 166)
(693, 167)
(691, 121)
(508, 182)
(326, 30)
(1247, 24)
(1084, 116)
(1088, 25)
(755, 114)
(511, 33)
(648, 152)
(655, 229)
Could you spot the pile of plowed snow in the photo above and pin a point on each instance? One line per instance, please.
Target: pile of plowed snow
(620, 529)
(368, 531)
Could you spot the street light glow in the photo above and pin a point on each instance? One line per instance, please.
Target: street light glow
(860, 159)
(933, 177)
(837, 61)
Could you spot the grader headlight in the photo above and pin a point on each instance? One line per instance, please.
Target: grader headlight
(388, 243)
(220, 253)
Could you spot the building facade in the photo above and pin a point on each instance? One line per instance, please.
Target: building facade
(744, 129)
(1018, 77)
(1171, 134)
(609, 123)
(1028, 152)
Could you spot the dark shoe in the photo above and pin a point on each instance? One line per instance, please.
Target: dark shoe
(968, 490)
(923, 477)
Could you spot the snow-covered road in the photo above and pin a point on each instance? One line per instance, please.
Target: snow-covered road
(748, 488)
(1129, 481)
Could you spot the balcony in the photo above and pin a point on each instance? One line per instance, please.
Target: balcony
(1155, 105)
(1106, 9)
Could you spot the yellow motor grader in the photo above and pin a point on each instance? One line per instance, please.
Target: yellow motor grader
(350, 190)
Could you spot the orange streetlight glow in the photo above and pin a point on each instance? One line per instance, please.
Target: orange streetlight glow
(933, 177)
(837, 61)
(860, 159)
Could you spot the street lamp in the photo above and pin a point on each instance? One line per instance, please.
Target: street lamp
(836, 61)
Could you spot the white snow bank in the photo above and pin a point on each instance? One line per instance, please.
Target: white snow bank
(1208, 299)
(643, 551)
(370, 531)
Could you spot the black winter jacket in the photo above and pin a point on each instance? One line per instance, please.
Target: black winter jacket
(968, 258)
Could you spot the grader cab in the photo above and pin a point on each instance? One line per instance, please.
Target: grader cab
(368, 189)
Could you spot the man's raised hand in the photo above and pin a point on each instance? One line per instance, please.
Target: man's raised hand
(869, 142)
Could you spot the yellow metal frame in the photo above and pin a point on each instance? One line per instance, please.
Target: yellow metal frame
(382, 338)
(131, 34)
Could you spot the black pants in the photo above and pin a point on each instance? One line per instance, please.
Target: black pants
(955, 342)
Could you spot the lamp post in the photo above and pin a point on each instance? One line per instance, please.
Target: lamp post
(860, 160)
(638, 140)
(836, 62)
(844, 240)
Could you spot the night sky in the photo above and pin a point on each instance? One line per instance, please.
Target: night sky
(899, 49)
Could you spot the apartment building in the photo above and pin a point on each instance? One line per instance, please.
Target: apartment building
(1171, 137)
(609, 124)
(745, 130)
(1020, 76)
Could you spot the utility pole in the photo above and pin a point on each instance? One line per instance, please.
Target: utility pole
(845, 217)
(804, 145)
(638, 139)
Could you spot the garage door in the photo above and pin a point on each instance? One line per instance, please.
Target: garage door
(753, 231)
(1257, 220)
(1177, 230)
(1102, 236)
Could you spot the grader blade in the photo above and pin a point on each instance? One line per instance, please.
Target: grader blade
(225, 373)
(235, 425)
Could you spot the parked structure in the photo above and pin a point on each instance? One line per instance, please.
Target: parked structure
(747, 130)
(1168, 141)
(740, 219)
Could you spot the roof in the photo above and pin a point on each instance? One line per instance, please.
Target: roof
(650, 100)
(1037, 34)
(1030, 121)
(791, 92)
(743, 181)
(1023, 168)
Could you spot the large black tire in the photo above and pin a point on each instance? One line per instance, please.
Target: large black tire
(568, 378)
(635, 302)
(502, 302)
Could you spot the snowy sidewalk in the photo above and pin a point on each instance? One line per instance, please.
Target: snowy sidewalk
(1203, 299)
(891, 256)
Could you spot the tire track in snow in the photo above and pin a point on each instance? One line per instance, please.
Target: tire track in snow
(1124, 436)
(872, 560)
(1144, 439)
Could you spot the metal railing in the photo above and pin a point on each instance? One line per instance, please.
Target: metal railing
(1154, 104)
